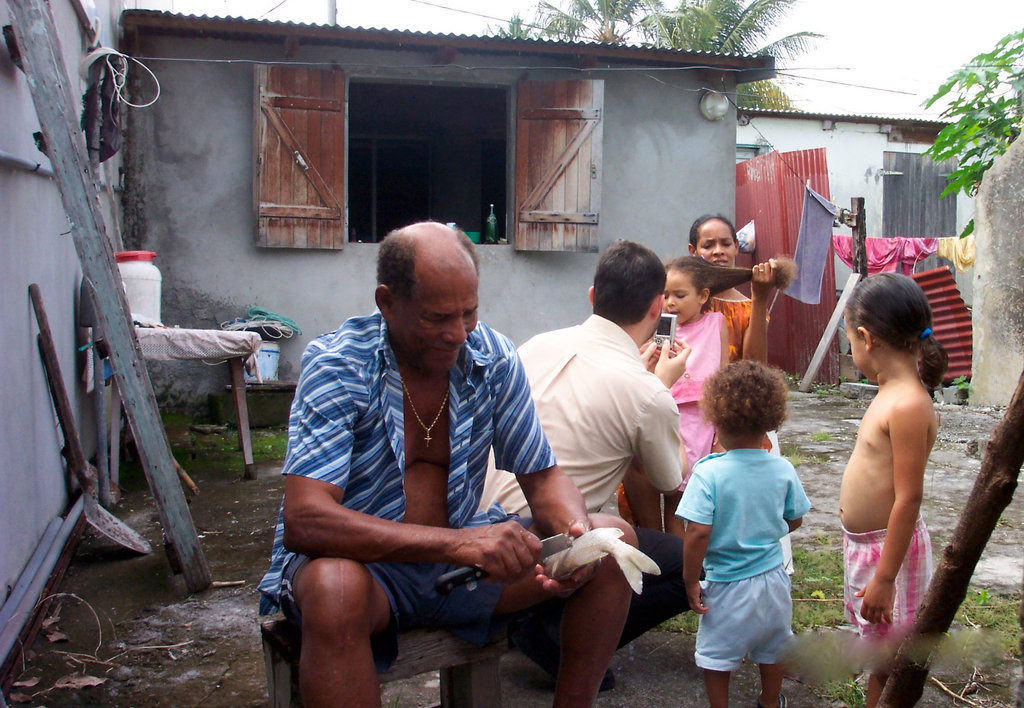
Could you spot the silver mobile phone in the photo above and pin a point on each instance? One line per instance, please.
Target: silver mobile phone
(666, 332)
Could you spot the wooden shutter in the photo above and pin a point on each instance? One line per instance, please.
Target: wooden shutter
(299, 180)
(558, 165)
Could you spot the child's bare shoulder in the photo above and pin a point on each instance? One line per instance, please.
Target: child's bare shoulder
(909, 399)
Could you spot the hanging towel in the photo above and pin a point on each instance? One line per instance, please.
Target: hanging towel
(812, 247)
(959, 250)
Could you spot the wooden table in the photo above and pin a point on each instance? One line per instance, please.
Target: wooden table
(211, 345)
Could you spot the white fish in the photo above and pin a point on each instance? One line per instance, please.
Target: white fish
(597, 544)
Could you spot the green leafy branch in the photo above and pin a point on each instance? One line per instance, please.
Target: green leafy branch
(985, 112)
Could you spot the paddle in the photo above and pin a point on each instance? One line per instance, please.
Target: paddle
(105, 523)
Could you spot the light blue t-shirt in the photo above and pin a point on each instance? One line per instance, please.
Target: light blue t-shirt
(745, 496)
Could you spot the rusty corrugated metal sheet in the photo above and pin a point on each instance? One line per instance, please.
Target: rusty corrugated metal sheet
(951, 320)
(770, 190)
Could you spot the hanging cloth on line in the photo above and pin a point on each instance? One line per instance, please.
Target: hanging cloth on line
(887, 255)
(959, 250)
(812, 247)
(101, 111)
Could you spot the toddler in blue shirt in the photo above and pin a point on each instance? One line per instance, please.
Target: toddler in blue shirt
(737, 506)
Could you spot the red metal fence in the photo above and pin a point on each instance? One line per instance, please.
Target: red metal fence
(951, 320)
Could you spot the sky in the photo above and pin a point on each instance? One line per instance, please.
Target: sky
(876, 57)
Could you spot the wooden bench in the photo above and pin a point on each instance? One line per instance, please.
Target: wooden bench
(469, 674)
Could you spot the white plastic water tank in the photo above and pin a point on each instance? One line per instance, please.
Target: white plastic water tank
(141, 282)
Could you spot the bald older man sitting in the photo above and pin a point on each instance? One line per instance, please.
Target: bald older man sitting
(393, 418)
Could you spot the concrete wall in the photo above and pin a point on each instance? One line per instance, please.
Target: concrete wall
(190, 197)
(35, 247)
(854, 154)
(998, 288)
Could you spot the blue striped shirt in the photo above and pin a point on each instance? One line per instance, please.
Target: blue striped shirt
(347, 426)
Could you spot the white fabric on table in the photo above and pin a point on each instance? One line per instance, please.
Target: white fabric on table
(206, 344)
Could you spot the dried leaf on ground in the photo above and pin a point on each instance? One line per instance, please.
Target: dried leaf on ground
(78, 681)
(56, 637)
(15, 697)
(26, 683)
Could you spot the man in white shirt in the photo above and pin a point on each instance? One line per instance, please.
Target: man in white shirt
(602, 410)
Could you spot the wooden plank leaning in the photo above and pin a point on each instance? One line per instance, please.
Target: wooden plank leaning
(50, 87)
(830, 330)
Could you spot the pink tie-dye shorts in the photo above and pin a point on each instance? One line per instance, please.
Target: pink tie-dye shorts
(861, 555)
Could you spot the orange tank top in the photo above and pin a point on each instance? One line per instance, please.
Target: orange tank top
(737, 319)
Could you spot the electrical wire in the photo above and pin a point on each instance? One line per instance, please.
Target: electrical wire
(464, 67)
(843, 83)
(272, 9)
(118, 65)
(332, 64)
(476, 14)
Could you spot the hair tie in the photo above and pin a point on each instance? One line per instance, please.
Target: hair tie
(927, 332)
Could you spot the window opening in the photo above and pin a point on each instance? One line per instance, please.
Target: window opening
(425, 152)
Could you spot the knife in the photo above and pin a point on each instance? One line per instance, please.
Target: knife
(469, 575)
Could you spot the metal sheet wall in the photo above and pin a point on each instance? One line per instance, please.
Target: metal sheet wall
(951, 320)
(770, 190)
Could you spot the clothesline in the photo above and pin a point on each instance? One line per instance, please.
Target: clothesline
(902, 253)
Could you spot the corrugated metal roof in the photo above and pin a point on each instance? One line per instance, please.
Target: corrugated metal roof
(157, 22)
(951, 320)
(846, 117)
(131, 14)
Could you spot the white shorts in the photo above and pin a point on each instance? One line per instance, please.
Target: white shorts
(750, 617)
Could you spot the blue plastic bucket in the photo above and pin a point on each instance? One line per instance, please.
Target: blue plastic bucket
(266, 362)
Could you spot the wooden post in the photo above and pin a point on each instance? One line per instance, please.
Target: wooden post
(50, 87)
(860, 233)
(242, 416)
(830, 330)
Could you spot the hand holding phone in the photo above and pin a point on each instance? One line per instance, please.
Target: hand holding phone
(670, 363)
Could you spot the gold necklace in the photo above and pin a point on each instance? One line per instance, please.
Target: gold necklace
(426, 428)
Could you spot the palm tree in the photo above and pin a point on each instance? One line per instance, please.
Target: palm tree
(607, 21)
(736, 27)
(516, 28)
(720, 26)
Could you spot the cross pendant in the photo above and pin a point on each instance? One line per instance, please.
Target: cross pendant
(427, 439)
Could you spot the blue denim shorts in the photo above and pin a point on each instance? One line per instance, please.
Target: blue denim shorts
(415, 603)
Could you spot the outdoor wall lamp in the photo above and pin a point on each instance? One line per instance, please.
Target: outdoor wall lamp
(713, 104)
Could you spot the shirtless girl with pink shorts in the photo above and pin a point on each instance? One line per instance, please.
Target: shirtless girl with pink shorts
(887, 552)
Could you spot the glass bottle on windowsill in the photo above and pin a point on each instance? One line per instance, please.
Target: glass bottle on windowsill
(491, 228)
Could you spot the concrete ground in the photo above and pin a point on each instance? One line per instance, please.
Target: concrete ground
(127, 624)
